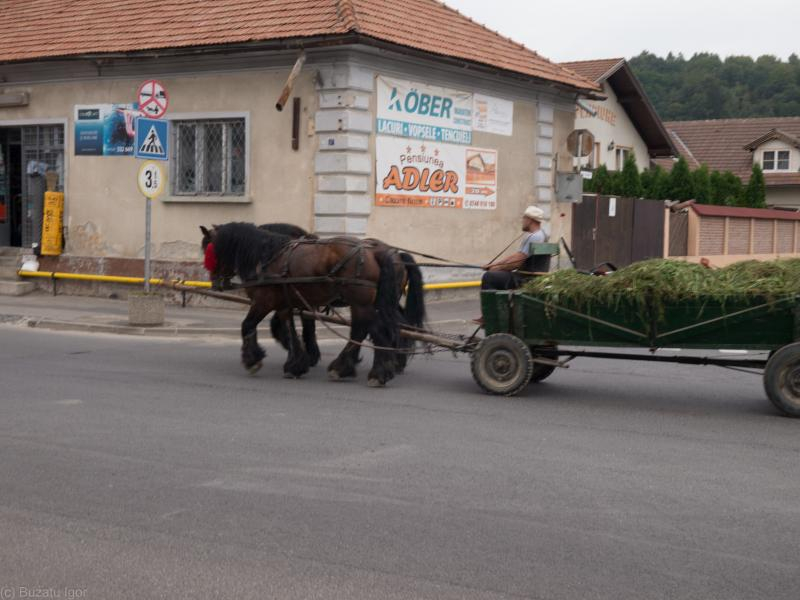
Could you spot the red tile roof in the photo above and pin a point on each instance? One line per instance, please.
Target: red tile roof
(37, 29)
(720, 144)
(593, 70)
(711, 210)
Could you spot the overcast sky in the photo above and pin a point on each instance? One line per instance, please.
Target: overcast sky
(583, 29)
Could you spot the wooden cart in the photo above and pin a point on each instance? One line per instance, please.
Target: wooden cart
(529, 337)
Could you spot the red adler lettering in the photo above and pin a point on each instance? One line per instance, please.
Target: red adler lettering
(411, 179)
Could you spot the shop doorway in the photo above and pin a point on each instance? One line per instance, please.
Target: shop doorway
(27, 153)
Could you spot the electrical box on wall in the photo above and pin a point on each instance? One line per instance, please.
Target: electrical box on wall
(569, 187)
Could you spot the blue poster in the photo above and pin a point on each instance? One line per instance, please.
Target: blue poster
(105, 129)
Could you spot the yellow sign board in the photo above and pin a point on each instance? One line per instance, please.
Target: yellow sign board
(52, 222)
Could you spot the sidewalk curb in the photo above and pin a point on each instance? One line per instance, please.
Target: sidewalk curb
(158, 331)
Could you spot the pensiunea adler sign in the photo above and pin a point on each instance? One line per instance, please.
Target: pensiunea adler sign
(418, 111)
(420, 174)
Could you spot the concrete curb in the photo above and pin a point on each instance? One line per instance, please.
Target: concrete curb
(160, 331)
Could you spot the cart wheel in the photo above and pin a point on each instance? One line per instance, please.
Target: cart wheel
(782, 380)
(502, 364)
(540, 371)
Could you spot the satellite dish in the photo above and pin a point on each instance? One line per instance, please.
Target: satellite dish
(580, 143)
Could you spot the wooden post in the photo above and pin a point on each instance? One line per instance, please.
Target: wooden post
(726, 236)
(752, 234)
(287, 89)
(774, 236)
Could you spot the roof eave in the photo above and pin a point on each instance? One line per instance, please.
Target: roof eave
(592, 93)
(668, 147)
(318, 41)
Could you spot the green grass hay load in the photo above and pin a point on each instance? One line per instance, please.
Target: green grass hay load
(659, 282)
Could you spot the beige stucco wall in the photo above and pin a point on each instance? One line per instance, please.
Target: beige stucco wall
(784, 197)
(104, 210)
(473, 236)
(612, 124)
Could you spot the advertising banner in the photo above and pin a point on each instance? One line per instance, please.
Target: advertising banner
(414, 110)
(493, 115)
(412, 173)
(481, 179)
(105, 129)
(52, 221)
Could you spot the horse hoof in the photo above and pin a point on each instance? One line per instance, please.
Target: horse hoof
(290, 376)
(375, 383)
(255, 368)
(334, 376)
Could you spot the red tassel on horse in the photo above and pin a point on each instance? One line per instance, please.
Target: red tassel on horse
(210, 260)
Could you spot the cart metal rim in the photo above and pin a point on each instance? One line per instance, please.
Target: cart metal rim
(503, 366)
(790, 382)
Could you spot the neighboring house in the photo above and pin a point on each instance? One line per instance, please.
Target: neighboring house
(626, 122)
(384, 101)
(736, 144)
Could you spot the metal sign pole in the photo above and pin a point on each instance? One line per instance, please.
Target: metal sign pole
(147, 246)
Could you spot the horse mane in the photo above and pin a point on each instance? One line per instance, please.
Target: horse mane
(244, 247)
(293, 231)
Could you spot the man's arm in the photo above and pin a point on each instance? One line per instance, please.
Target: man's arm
(509, 263)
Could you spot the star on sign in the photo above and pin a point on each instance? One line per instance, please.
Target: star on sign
(422, 148)
(408, 149)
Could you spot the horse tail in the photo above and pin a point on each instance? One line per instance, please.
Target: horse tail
(414, 310)
(386, 327)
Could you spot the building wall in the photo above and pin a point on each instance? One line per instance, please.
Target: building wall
(526, 165)
(784, 197)
(612, 124)
(328, 185)
(104, 210)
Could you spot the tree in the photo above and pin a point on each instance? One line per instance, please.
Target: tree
(701, 181)
(680, 181)
(646, 178)
(715, 180)
(755, 194)
(601, 181)
(615, 187)
(726, 188)
(630, 184)
(707, 87)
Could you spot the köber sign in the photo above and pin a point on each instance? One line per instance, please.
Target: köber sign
(425, 112)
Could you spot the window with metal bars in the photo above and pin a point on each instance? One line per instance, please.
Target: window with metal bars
(209, 157)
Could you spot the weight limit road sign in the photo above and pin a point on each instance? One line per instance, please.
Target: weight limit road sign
(153, 99)
(151, 180)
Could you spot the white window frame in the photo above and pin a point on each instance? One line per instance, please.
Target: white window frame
(776, 160)
(621, 153)
(244, 198)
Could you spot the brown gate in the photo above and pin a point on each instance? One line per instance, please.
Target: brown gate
(616, 230)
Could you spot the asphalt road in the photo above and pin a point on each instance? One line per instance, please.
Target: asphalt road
(145, 468)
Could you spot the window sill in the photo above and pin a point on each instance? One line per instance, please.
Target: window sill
(208, 199)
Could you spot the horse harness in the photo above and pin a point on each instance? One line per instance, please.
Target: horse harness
(282, 278)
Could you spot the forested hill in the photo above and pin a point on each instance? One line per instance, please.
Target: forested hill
(708, 87)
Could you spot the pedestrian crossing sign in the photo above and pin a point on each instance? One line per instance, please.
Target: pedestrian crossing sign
(152, 139)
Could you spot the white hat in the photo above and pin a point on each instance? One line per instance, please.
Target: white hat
(534, 212)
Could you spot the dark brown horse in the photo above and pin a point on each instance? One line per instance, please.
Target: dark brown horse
(282, 274)
(222, 281)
